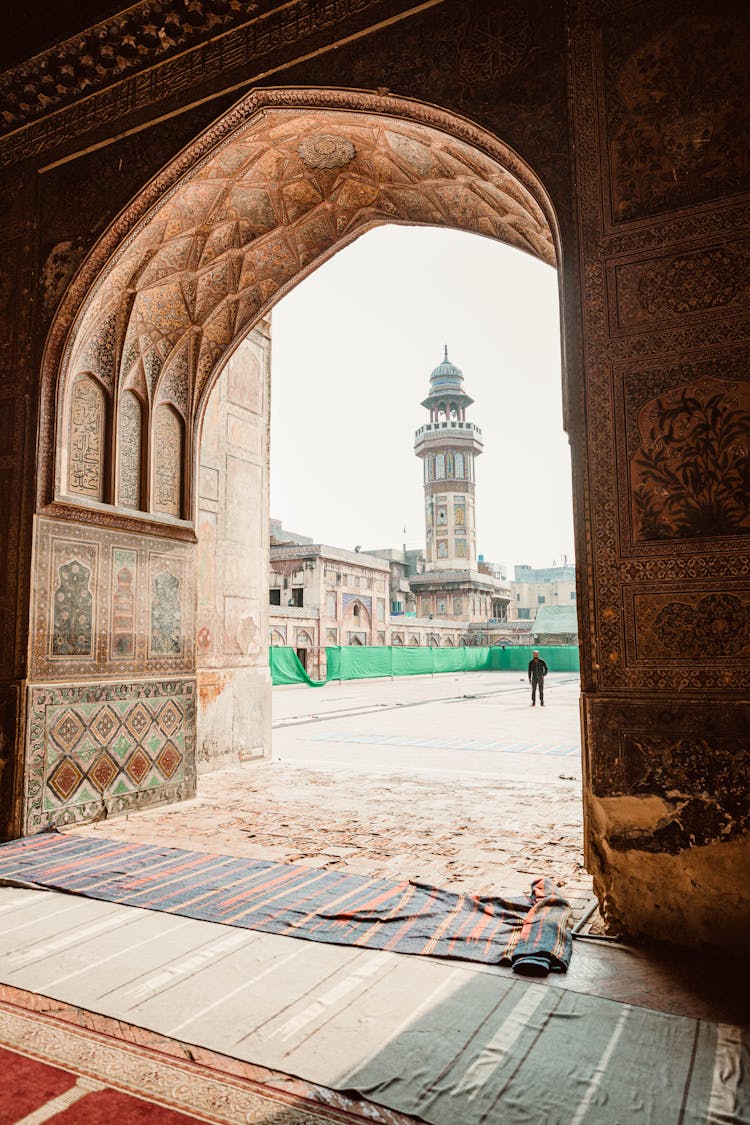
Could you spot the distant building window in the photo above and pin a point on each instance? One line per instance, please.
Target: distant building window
(518, 597)
(524, 614)
(355, 610)
(572, 595)
(541, 599)
(296, 598)
(338, 579)
(274, 597)
(449, 464)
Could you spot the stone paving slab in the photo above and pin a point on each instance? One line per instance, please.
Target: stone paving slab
(365, 794)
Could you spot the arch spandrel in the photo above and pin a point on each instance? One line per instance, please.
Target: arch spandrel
(272, 190)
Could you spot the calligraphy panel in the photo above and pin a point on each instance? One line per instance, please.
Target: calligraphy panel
(87, 437)
(167, 462)
(129, 461)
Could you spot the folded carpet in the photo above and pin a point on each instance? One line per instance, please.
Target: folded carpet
(299, 901)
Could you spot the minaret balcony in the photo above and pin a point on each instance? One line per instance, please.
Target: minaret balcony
(439, 433)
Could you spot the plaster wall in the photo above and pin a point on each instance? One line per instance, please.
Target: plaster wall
(233, 681)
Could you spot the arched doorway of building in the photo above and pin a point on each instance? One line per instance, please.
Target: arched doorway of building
(154, 486)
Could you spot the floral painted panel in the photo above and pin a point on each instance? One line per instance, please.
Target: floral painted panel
(73, 607)
(166, 630)
(124, 586)
(690, 476)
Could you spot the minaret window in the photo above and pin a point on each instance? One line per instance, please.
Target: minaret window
(459, 463)
(440, 466)
(461, 548)
(442, 515)
(449, 465)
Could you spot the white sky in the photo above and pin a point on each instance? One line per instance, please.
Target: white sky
(352, 350)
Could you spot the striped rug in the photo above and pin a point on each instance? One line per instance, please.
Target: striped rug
(531, 932)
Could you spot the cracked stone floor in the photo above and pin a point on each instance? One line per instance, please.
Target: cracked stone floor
(452, 780)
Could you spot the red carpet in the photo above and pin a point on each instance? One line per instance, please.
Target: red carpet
(62, 1064)
(28, 1086)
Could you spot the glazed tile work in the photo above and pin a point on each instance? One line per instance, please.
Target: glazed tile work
(110, 603)
(111, 746)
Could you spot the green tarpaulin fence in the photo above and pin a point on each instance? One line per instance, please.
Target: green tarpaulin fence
(359, 662)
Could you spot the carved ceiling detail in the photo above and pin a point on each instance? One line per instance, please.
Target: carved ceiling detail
(263, 207)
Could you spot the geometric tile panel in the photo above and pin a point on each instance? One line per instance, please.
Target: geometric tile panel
(116, 746)
(137, 766)
(103, 771)
(65, 779)
(168, 760)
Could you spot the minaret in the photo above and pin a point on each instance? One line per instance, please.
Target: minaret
(448, 446)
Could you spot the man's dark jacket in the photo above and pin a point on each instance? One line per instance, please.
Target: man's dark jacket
(537, 669)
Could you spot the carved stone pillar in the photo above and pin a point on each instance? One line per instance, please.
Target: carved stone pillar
(664, 236)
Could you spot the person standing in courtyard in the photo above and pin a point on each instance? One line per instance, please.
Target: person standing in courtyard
(537, 671)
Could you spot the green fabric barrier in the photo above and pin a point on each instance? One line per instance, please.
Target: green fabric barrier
(411, 661)
(287, 669)
(515, 658)
(362, 662)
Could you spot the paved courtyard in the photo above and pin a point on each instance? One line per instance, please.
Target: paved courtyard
(452, 779)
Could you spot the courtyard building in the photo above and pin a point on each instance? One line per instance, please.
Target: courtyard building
(323, 596)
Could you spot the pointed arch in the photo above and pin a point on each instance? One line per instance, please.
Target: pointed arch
(181, 268)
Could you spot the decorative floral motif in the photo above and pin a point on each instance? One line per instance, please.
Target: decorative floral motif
(691, 475)
(73, 612)
(678, 134)
(714, 626)
(693, 282)
(166, 615)
(326, 150)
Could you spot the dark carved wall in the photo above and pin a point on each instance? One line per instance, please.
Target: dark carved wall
(634, 117)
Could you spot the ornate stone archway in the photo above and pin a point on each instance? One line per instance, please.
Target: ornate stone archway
(162, 306)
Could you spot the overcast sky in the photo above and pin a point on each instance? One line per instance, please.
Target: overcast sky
(353, 348)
